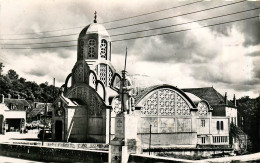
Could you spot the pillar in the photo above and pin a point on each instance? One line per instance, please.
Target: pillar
(125, 141)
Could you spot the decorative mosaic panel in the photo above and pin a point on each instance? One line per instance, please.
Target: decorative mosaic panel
(202, 108)
(92, 81)
(151, 105)
(86, 75)
(165, 102)
(110, 75)
(92, 105)
(91, 48)
(81, 47)
(78, 73)
(103, 49)
(103, 73)
(182, 107)
(99, 108)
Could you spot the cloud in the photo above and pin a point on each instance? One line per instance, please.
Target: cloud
(218, 56)
(256, 69)
(195, 46)
(254, 54)
(251, 32)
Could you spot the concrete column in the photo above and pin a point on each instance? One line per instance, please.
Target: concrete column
(125, 141)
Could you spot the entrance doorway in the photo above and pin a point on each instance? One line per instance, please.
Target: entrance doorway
(58, 130)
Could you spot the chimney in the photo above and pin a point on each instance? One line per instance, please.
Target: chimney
(235, 100)
(2, 98)
(225, 98)
(62, 91)
(9, 96)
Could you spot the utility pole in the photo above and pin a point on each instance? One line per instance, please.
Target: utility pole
(150, 139)
(44, 121)
(53, 90)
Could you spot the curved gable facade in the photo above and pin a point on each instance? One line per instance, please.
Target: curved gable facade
(170, 112)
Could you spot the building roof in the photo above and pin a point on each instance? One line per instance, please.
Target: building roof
(209, 94)
(194, 98)
(18, 104)
(40, 109)
(94, 28)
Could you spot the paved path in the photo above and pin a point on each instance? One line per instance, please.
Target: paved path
(4, 159)
(241, 158)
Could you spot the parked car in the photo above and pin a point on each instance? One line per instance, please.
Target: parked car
(35, 124)
(47, 135)
(23, 131)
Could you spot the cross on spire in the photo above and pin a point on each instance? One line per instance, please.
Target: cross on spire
(95, 17)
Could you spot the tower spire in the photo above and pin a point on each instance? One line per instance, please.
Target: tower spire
(95, 17)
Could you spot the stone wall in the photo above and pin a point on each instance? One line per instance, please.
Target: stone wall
(48, 154)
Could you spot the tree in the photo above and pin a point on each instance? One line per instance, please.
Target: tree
(12, 75)
(1, 68)
(249, 110)
(22, 80)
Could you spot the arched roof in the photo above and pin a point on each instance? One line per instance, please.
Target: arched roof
(146, 91)
(94, 28)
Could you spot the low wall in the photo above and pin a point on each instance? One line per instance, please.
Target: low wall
(52, 154)
(194, 152)
(84, 146)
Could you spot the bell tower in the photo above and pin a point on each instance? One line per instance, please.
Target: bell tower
(94, 43)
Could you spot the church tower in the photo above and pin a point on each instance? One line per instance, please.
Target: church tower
(94, 43)
(80, 111)
(94, 49)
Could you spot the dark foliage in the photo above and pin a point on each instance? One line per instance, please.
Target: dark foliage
(249, 118)
(19, 87)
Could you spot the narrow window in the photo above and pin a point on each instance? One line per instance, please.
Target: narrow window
(202, 123)
(203, 140)
(222, 125)
(103, 49)
(91, 48)
(217, 125)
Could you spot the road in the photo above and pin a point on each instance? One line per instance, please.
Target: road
(16, 136)
(4, 159)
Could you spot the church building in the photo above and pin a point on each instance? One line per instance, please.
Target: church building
(90, 100)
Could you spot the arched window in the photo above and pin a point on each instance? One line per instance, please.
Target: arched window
(91, 48)
(104, 73)
(103, 49)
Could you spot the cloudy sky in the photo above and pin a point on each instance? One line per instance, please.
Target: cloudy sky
(225, 56)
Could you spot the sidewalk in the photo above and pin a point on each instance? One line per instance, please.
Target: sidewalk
(241, 158)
